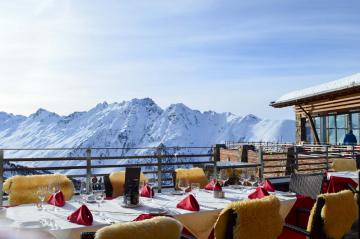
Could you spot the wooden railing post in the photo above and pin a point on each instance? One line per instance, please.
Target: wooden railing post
(261, 158)
(88, 170)
(1, 176)
(290, 161)
(159, 168)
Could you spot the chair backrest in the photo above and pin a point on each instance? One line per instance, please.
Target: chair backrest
(157, 227)
(342, 164)
(117, 180)
(193, 175)
(256, 219)
(309, 185)
(332, 215)
(22, 189)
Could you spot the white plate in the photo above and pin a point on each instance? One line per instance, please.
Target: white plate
(29, 224)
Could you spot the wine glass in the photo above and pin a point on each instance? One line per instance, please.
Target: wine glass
(151, 182)
(83, 191)
(99, 193)
(183, 184)
(195, 188)
(41, 193)
(224, 176)
(253, 180)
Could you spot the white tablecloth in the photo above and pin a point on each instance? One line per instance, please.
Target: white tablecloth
(345, 174)
(28, 216)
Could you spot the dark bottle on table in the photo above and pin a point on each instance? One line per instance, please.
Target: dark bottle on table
(131, 194)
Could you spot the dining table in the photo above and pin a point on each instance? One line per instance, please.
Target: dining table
(354, 175)
(53, 220)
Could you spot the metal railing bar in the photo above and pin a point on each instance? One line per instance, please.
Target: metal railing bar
(105, 158)
(111, 148)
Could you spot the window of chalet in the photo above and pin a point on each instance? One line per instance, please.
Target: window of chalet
(331, 129)
(355, 125)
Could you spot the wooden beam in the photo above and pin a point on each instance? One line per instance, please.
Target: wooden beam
(312, 125)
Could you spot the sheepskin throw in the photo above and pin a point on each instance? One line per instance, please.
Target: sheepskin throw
(155, 228)
(339, 213)
(22, 189)
(194, 175)
(117, 180)
(344, 165)
(256, 219)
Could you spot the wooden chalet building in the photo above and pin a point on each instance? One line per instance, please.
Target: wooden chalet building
(325, 113)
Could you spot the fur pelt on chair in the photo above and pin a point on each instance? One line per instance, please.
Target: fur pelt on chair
(193, 175)
(22, 189)
(117, 180)
(339, 213)
(157, 227)
(256, 219)
(344, 165)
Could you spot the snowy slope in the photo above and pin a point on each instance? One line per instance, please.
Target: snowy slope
(139, 122)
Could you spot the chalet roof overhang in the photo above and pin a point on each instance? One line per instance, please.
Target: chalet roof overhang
(308, 99)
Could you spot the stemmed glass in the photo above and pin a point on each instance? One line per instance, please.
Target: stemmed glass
(83, 192)
(224, 177)
(183, 184)
(99, 193)
(151, 182)
(195, 188)
(41, 194)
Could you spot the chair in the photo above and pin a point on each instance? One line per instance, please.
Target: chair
(114, 183)
(255, 219)
(193, 175)
(343, 164)
(22, 189)
(158, 227)
(309, 185)
(331, 217)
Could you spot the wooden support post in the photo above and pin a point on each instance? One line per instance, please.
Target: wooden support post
(312, 125)
(159, 168)
(327, 157)
(88, 170)
(290, 161)
(261, 159)
(1, 176)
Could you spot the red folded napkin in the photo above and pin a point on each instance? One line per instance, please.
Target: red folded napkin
(268, 186)
(147, 191)
(217, 187)
(57, 199)
(259, 192)
(144, 217)
(189, 203)
(213, 185)
(81, 216)
(210, 185)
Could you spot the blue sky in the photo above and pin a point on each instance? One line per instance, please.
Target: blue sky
(231, 55)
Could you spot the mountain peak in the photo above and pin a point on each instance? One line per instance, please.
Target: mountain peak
(42, 113)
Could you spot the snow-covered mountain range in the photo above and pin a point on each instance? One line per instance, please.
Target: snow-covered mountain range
(139, 122)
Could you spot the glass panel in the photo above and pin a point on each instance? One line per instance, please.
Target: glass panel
(308, 135)
(355, 121)
(341, 121)
(319, 133)
(357, 134)
(331, 121)
(340, 136)
(331, 136)
(317, 122)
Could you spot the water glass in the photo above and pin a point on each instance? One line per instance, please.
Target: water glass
(183, 184)
(41, 194)
(195, 188)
